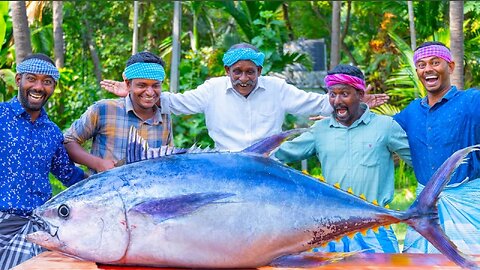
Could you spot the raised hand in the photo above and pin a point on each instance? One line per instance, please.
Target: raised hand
(115, 87)
(374, 100)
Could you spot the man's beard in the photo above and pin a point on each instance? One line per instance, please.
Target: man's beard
(23, 97)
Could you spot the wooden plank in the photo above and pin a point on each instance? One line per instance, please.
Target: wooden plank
(372, 261)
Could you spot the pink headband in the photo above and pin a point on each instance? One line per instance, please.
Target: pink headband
(432, 50)
(353, 81)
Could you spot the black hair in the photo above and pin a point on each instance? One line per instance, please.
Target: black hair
(429, 43)
(40, 56)
(347, 69)
(244, 45)
(145, 57)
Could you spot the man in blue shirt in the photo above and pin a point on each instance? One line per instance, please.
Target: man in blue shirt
(31, 146)
(355, 148)
(443, 122)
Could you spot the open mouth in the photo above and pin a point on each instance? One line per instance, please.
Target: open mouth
(35, 96)
(431, 79)
(342, 112)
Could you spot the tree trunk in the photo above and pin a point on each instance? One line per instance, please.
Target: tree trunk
(135, 28)
(59, 44)
(176, 49)
(58, 34)
(335, 46)
(456, 41)
(21, 31)
(345, 33)
(288, 24)
(93, 51)
(411, 17)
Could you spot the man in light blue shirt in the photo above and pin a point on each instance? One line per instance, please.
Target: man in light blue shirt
(355, 148)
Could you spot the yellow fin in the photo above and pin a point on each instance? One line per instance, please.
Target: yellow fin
(305, 172)
(387, 206)
(337, 185)
(375, 202)
(363, 196)
(350, 190)
(351, 235)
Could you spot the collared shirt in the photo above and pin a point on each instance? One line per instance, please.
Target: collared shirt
(438, 131)
(28, 152)
(359, 157)
(235, 122)
(107, 123)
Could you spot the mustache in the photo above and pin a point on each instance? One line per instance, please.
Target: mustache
(336, 107)
(249, 82)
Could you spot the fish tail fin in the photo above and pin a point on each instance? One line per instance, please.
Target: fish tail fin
(423, 214)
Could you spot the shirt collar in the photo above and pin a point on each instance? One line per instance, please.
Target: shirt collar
(450, 94)
(365, 118)
(20, 111)
(155, 120)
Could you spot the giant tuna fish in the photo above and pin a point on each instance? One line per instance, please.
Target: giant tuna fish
(220, 210)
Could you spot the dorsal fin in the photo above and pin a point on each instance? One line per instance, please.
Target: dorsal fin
(138, 149)
(267, 145)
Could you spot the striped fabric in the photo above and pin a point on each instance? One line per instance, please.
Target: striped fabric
(14, 248)
(384, 241)
(459, 218)
(107, 123)
(432, 50)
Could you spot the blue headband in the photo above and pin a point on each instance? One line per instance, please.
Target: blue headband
(234, 55)
(152, 71)
(38, 66)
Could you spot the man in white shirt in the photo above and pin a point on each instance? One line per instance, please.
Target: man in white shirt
(244, 107)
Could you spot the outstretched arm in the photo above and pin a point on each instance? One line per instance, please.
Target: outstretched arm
(374, 100)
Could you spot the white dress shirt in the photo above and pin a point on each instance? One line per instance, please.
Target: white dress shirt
(235, 122)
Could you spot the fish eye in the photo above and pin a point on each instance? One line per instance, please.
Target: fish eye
(63, 211)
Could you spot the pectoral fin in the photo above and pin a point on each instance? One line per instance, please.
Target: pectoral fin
(166, 208)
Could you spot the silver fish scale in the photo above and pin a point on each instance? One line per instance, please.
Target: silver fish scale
(220, 208)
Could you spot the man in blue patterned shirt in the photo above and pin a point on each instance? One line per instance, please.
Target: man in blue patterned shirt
(31, 146)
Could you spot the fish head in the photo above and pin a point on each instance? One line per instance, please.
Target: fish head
(84, 225)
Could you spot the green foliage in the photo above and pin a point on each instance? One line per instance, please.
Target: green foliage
(3, 20)
(269, 40)
(404, 176)
(71, 98)
(57, 186)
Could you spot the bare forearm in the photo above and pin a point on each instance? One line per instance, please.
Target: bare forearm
(80, 156)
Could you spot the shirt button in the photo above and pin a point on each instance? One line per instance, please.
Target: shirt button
(433, 167)
(430, 148)
(429, 128)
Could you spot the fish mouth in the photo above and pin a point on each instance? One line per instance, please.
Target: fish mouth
(44, 225)
(46, 236)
